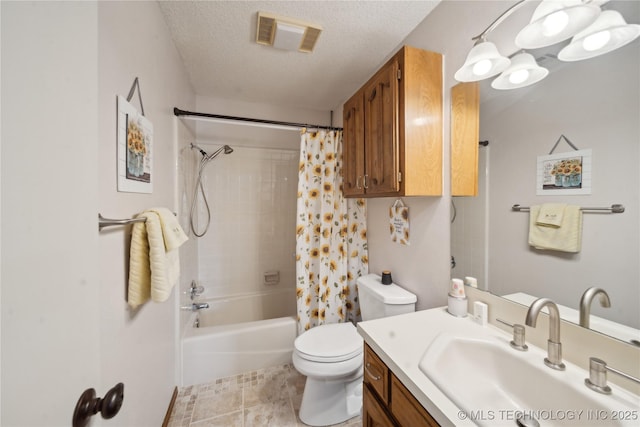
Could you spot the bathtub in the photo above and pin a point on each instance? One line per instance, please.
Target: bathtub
(239, 334)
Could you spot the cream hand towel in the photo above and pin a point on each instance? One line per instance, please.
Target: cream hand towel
(551, 214)
(139, 289)
(566, 238)
(154, 268)
(172, 233)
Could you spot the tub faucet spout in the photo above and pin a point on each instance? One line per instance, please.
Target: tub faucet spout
(554, 347)
(585, 303)
(196, 306)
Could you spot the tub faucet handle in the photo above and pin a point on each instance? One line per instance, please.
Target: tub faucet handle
(195, 290)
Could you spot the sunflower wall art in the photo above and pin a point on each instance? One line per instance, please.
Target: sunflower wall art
(564, 173)
(135, 140)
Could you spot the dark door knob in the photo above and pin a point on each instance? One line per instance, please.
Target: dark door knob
(89, 405)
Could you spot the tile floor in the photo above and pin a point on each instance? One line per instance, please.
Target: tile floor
(267, 397)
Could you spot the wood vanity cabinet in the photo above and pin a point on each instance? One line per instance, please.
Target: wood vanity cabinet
(393, 129)
(386, 401)
(465, 133)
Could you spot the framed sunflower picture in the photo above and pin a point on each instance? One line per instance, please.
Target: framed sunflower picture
(135, 142)
(564, 173)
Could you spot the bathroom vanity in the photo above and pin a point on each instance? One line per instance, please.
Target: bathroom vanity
(430, 368)
(386, 401)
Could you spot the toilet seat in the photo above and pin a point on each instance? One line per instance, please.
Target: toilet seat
(330, 343)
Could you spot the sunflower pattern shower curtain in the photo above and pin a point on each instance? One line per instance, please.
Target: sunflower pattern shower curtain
(331, 235)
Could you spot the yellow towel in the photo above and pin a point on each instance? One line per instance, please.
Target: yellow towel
(566, 238)
(172, 233)
(551, 214)
(154, 263)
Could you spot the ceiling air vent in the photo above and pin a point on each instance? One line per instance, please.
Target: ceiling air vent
(286, 33)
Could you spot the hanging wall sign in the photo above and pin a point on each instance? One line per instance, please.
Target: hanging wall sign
(399, 222)
(564, 173)
(135, 141)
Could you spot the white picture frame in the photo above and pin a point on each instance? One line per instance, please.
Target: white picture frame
(135, 149)
(564, 174)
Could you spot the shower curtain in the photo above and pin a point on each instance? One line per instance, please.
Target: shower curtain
(331, 235)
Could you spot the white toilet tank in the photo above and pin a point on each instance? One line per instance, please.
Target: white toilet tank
(378, 300)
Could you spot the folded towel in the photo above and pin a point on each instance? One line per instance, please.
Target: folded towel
(566, 238)
(154, 262)
(551, 214)
(172, 233)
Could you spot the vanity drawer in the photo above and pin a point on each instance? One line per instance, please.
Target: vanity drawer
(376, 374)
(406, 409)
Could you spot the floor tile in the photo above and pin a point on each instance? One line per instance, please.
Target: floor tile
(264, 398)
(278, 413)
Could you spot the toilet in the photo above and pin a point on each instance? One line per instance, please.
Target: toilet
(331, 358)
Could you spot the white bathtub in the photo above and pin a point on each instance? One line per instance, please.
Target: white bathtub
(239, 334)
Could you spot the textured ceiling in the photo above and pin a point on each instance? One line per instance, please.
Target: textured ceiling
(216, 40)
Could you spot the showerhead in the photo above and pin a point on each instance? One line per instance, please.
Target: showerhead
(225, 148)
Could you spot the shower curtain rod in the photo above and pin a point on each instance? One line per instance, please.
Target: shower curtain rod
(250, 122)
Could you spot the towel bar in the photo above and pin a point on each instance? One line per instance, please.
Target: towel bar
(615, 208)
(106, 222)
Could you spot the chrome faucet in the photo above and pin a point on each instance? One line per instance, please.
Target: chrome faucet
(554, 347)
(585, 303)
(196, 306)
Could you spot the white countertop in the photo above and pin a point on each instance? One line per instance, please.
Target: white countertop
(401, 341)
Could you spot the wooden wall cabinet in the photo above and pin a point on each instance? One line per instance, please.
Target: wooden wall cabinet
(465, 135)
(386, 401)
(393, 129)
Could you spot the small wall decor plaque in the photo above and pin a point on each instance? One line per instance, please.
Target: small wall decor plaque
(135, 142)
(399, 223)
(564, 173)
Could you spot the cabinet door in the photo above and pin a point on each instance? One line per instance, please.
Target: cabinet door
(381, 131)
(465, 118)
(353, 146)
(406, 409)
(373, 414)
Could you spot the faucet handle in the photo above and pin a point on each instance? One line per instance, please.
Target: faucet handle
(518, 341)
(597, 380)
(195, 290)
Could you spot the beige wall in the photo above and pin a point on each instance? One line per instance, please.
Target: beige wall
(65, 323)
(139, 347)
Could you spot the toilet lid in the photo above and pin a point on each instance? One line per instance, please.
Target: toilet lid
(329, 343)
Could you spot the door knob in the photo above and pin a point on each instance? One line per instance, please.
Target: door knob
(89, 405)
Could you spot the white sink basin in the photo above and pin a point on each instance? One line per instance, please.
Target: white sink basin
(494, 384)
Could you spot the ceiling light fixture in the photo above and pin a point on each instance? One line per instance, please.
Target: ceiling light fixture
(609, 32)
(556, 20)
(523, 71)
(594, 33)
(483, 61)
